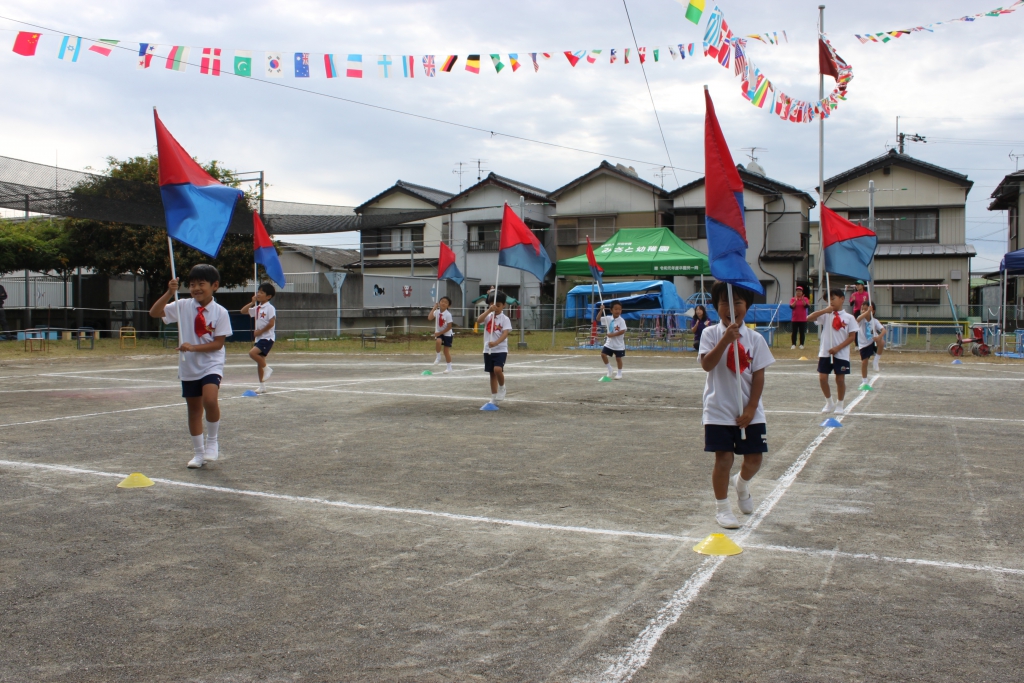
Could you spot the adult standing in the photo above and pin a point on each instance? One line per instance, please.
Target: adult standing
(799, 305)
(859, 298)
(700, 323)
(3, 313)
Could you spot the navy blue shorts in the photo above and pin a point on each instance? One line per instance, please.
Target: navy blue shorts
(193, 388)
(868, 351)
(612, 352)
(726, 439)
(446, 340)
(827, 365)
(264, 345)
(494, 360)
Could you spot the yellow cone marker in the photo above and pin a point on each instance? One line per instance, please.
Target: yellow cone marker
(717, 544)
(135, 480)
(802, 358)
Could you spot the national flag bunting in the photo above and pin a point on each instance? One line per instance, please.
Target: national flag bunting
(354, 66)
(449, 63)
(384, 66)
(723, 192)
(849, 248)
(533, 58)
(243, 63)
(513, 61)
(104, 46)
(329, 69)
(177, 58)
(301, 65)
(146, 52)
(25, 43)
(694, 10)
(408, 66)
(496, 61)
(642, 51)
(473, 64)
(592, 57)
(519, 248)
(70, 46)
(573, 59)
(446, 267)
(429, 69)
(210, 63)
(197, 207)
(275, 65)
(265, 253)
(613, 55)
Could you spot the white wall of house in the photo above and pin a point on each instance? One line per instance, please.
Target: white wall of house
(431, 227)
(606, 194)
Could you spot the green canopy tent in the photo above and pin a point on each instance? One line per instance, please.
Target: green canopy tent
(641, 251)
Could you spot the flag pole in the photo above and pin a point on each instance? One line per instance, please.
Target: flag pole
(554, 309)
(497, 272)
(170, 248)
(821, 157)
(736, 360)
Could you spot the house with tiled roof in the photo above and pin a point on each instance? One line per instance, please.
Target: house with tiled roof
(1009, 197)
(920, 220)
(411, 249)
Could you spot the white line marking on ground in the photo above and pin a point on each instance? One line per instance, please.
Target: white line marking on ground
(639, 651)
(519, 523)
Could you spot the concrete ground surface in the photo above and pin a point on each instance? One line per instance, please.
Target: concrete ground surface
(369, 523)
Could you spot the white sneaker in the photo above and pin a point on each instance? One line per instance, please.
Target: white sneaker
(830, 405)
(212, 451)
(447, 371)
(801, 346)
(261, 389)
(437, 361)
(618, 375)
(746, 504)
(196, 462)
(501, 393)
(793, 347)
(840, 409)
(727, 520)
(267, 372)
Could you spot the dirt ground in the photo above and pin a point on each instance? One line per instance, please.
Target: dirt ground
(367, 522)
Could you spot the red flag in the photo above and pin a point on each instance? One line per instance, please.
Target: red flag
(25, 44)
(514, 231)
(591, 259)
(571, 57)
(826, 64)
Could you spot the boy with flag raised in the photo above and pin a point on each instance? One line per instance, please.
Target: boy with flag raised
(442, 317)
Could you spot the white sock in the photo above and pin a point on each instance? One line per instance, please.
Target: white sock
(211, 430)
(723, 505)
(494, 397)
(609, 368)
(449, 366)
(438, 356)
(839, 404)
(829, 401)
(741, 486)
(262, 385)
(198, 446)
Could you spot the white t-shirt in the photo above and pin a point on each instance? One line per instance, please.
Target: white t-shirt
(441, 320)
(831, 337)
(493, 328)
(720, 404)
(264, 313)
(869, 329)
(614, 325)
(193, 365)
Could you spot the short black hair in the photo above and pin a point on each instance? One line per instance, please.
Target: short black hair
(835, 291)
(720, 293)
(204, 272)
(268, 289)
(496, 297)
(615, 303)
(445, 298)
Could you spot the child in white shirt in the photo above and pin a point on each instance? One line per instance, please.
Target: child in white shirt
(729, 410)
(443, 331)
(265, 315)
(870, 338)
(496, 333)
(615, 341)
(837, 330)
(203, 325)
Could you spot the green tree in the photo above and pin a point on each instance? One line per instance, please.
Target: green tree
(22, 247)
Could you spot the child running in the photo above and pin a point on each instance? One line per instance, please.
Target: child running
(443, 325)
(870, 339)
(723, 416)
(837, 330)
(496, 333)
(615, 342)
(266, 319)
(203, 325)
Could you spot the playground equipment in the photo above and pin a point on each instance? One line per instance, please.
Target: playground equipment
(976, 343)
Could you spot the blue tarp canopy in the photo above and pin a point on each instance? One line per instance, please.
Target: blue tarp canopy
(645, 296)
(1013, 262)
(761, 314)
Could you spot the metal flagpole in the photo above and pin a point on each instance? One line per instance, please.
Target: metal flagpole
(522, 282)
(821, 157)
(736, 360)
(554, 309)
(871, 227)
(170, 248)
(497, 272)
(1002, 326)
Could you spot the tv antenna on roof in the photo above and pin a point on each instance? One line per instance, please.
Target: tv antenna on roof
(661, 173)
(751, 151)
(459, 173)
(479, 168)
(1016, 160)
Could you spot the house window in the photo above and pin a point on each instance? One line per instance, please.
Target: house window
(920, 294)
(484, 237)
(691, 226)
(574, 231)
(446, 232)
(921, 225)
(393, 241)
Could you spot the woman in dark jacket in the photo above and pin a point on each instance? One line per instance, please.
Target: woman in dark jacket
(700, 323)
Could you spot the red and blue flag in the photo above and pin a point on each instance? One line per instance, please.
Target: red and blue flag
(446, 268)
(519, 248)
(723, 189)
(197, 208)
(264, 252)
(595, 269)
(849, 248)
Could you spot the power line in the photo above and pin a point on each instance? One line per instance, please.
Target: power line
(651, 94)
(379, 107)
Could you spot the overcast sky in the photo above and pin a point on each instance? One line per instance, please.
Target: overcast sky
(961, 82)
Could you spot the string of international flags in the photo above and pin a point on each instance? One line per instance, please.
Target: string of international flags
(886, 36)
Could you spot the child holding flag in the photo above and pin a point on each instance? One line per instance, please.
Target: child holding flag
(722, 425)
(265, 316)
(496, 333)
(870, 339)
(443, 325)
(615, 341)
(838, 329)
(203, 325)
